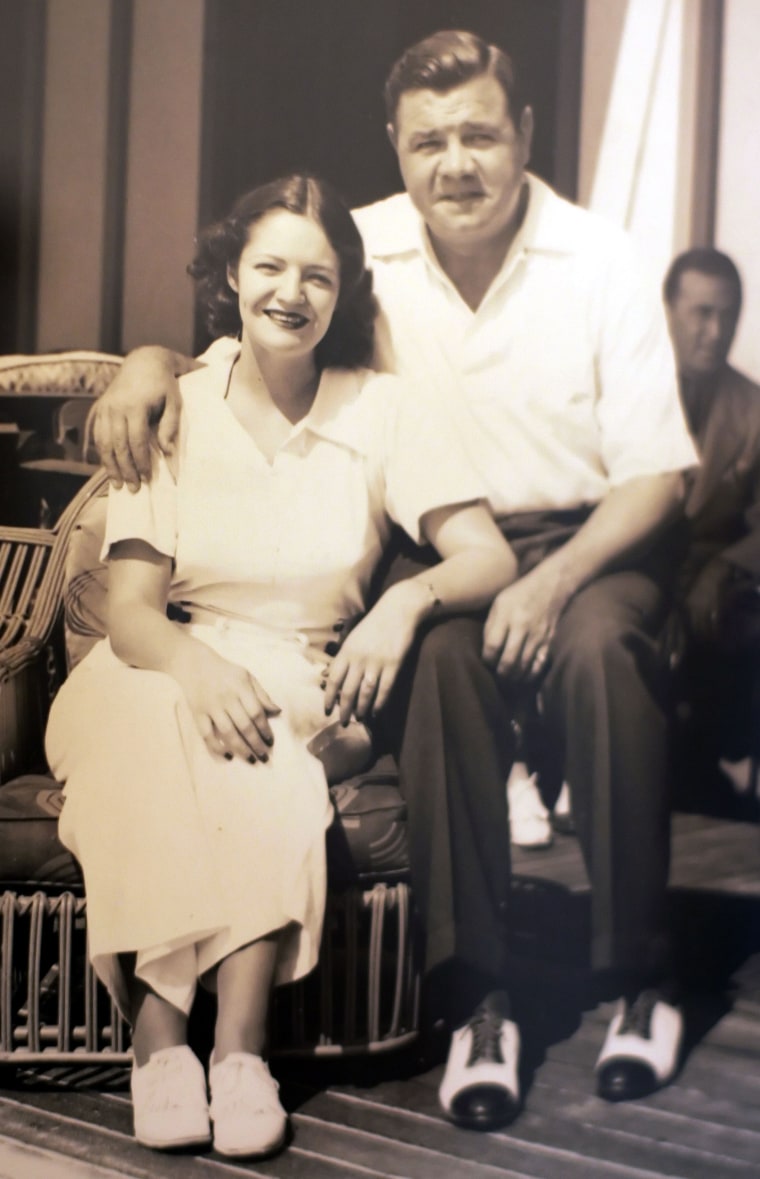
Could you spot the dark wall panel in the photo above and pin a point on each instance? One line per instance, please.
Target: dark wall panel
(22, 55)
(294, 84)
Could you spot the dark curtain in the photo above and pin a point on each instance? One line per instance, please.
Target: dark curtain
(298, 84)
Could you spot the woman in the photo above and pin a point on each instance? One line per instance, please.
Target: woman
(194, 802)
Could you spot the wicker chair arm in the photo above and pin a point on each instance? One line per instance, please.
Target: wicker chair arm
(32, 662)
(32, 562)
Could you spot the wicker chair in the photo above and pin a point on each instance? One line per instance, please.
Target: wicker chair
(363, 996)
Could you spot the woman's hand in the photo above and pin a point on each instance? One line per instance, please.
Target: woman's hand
(123, 421)
(364, 670)
(229, 705)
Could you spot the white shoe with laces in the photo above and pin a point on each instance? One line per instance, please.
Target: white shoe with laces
(529, 824)
(248, 1118)
(642, 1048)
(480, 1089)
(169, 1100)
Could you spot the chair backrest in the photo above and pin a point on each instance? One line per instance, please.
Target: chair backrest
(32, 662)
(32, 562)
(85, 581)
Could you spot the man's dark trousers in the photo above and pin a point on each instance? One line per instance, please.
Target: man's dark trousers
(604, 707)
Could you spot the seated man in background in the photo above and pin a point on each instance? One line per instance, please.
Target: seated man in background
(528, 322)
(719, 604)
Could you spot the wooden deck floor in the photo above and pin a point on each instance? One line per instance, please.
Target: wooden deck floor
(380, 1118)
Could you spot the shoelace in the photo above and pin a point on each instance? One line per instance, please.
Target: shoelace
(166, 1091)
(237, 1082)
(486, 1026)
(637, 1018)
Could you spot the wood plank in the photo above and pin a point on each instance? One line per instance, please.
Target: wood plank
(681, 1121)
(467, 1152)
(318, 1150)
(21, 1161)
(708, 854)
(90, 1137)
(539, 1146)
(378, 1119)
(555, 1134)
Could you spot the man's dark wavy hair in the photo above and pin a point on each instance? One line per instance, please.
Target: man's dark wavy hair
(447, 59)
(349, 340)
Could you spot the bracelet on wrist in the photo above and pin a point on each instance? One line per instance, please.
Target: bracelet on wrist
(435, 601)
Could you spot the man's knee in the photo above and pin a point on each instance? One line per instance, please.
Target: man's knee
(592, 641)
(452, 646)
(603, 629)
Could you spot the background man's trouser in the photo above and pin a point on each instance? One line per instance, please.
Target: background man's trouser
(720, 677)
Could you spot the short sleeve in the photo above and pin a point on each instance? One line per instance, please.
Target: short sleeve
(425, 466)
(149, 514)
(643, 430)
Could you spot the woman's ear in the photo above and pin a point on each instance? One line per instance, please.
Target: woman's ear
(526, 133)
(232, 279)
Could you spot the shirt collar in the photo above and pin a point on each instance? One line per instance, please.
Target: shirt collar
(394, 226)
(547, 227)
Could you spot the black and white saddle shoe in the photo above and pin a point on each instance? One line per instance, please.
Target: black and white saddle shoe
(480, 1089)
(641, 1050)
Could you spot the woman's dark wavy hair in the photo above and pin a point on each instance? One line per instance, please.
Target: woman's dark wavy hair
(349, 340)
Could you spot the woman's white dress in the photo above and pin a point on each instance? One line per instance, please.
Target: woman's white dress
(187, 856)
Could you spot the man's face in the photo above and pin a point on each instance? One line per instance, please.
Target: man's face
(462, 159)
(702, 320)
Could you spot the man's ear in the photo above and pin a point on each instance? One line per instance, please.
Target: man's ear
(526, 131)
(391, 133)
(232, 279)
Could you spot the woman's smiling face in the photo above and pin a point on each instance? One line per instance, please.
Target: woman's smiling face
(287, 282)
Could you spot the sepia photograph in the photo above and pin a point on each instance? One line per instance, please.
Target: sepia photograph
(379, 589)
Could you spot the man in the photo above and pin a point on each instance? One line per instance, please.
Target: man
(718, 586)
(526, 321)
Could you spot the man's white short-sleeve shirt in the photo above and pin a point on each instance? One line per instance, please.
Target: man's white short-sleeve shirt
(562, 384)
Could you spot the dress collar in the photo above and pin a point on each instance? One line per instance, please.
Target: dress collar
(335, 413)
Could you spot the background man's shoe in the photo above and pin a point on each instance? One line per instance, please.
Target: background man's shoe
(480, 1089)
(740, 773)
(641, 1050)
(529, 824)
(561, 817)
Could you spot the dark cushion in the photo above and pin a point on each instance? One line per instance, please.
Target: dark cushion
(31, 854)
(366, 842)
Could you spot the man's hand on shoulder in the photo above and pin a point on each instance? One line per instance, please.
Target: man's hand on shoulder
(141, 404)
